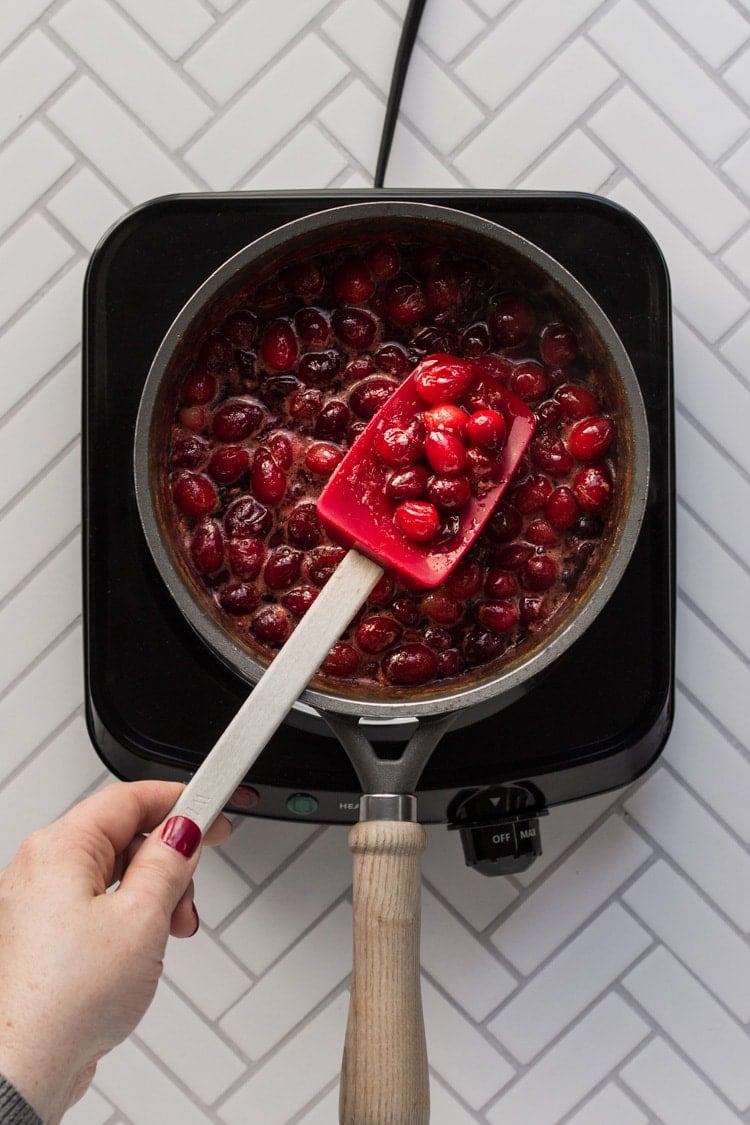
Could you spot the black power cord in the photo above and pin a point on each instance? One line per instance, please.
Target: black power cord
(400, 67)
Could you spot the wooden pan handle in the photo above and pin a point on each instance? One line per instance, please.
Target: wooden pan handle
(384, 1077)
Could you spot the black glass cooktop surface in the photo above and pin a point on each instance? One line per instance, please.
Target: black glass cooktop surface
(156, 699)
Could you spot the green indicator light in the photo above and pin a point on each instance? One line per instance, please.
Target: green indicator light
(303, 804)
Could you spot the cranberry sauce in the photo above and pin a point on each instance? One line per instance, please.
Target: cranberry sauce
(279, 391)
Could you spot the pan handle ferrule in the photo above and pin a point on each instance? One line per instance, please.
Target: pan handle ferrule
(388, 806)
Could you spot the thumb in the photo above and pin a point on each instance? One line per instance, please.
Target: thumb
(163, 867)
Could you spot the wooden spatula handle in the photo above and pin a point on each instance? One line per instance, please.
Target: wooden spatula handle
(384, 1078)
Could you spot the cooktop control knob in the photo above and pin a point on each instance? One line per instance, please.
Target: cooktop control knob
(499, 828)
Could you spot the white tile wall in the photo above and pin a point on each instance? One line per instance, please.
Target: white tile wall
(610, 983)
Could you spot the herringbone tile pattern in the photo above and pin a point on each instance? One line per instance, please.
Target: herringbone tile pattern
(610, 985)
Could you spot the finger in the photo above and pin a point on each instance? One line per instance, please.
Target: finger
(163, 867)
(185, 920)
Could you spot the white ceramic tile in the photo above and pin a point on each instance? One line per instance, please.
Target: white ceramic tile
(436, 105)
(109, 137)
(259, 847)
(707, 473)
(22, 458)
(477, 899)
(18, 15)
(33, 70)
(583, 882)
(702, 293)
(713, 28)
(505, 58)
(220, 889)
(459, 963)
(372, 53)
(493, 7)
(737, 167)
(575, 164)
(737, 257)
(355, 117)
(687, 1012)
(197, 1056)
(46, 332)
(448, 26)
(735, 350)
(737, 75)
(696, 841)
(93, 1109)
(459, 1052)
(564, 825)
(685, 922)
(281, 912)
(672, 1090)
(87, 207)
(610, 1105)
(275, 104)
(136, 1083)
(204, 971)
(444, 1109)
(583, 969)
(680, 88)
(291, 1078)
(573, 1067)
(713, 674)
(662, 161)
(296, 984)
(703, 555)
(175, 25)
(536, 118)
(31, 255)
(30, 164)
(307, 160)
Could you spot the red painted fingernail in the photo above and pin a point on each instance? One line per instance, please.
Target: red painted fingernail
(182, 834)
(197, 921)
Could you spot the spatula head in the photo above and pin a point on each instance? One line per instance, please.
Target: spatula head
(443, 394)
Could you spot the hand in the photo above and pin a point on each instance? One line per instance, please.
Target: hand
(79, 967)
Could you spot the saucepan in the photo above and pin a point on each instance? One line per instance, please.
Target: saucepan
(385, 1067)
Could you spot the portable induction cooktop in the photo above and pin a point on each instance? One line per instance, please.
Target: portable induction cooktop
(157, 699)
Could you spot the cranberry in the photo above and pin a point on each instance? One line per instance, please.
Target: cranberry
(241, 328)
(576, 401)
(277, 388)
(486, 428)
(513, 555)
(405, 610)
(321, 562)
(588, 526)
(504, 524)
(439, 606)
(482, 470)
(352, 282)
(411, 663)
(500, 616)
(437, 637)
(590, 439)
(188, 450)
(558, 345)
(481, 645)
(267, 479)
(445, 452)
(247, 516)
(529, 381)
(392, 360)
(354, 327)
(282, 568)
(417, 519)
(500, 583)
(299, 600)
(195, 495)
(592, 487)
(561, 508)
(236, 420)
(198, 388)
(375, 634)
(246, 367)
(407, 484)
(194, 418)
(303, 279)
(541, 533)
(532, 494)
(432, 340)
(342, 661)
(246, 556)
(305, 404)
(397, 447)
(319, 368)
(228, 463)
(271, 625)
(239, 598)
(312, 327)
(450, 663)
(322, 458)
(207, 547)
(511, 321)
(538, 573)
(441, 287)
(359, 367)
(444, 378)
(496, 366)
(404, 301)
(282, 450)
(550, 454)
(368, 397)
(384, 261)
(216, 353)
(382, 592)
(447, 416)
(475, 341)
(333, 420)
(450, 494)
(278, 348)
(532, 610)
(465, 581)
(270, 297)
(303, 526)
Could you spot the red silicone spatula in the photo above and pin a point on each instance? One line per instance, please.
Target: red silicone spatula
(447, 422)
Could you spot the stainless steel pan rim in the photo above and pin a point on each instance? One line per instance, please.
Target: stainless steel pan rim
(502, 685)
